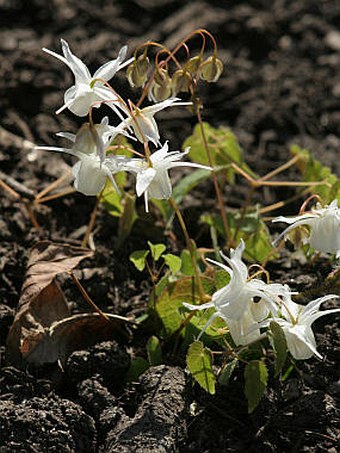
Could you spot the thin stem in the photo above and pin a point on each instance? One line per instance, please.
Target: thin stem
(28, 206)
(180, 218)
(92, 221)
(54, 196)
(281, 168)
(52, 186)
(87, 297)
(215, 181)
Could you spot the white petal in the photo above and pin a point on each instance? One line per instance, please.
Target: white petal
(109, 69)
(301, 342)
(144, 179)
(58, 149)
(82, 97)
(89, 178)
(190, 164)
(160, 187)
(198, 307)
(67, 135)
(79, 69)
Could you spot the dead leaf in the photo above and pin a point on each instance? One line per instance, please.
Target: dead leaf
(46, 261)
(71, 334)
(42, 302)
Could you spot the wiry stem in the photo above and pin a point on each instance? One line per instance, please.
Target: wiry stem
(92, 221)
(190, 248)
(215, 181)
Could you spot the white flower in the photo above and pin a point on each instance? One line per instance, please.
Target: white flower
(235, 302)
(153, 180)
(296, 324)
(324, 224)
(93, 169)
(143, 123)
(86, 90)
(245, 330)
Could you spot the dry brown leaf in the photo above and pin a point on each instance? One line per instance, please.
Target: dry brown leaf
(42, 302)
(73, 333)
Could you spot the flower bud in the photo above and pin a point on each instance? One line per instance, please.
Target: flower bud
(181, 81)
(137, 72)
(161, 76)
(159, 93)
(192, 65)
(211, 69)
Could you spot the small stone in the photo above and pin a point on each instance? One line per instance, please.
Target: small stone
(332, 39)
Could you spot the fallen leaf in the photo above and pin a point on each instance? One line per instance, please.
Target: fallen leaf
(42, 302)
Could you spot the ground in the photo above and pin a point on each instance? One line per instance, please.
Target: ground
(279, 87)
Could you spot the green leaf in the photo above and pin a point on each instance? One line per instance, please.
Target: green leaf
(312, 170)
(189, 182)
(249, 227)
(279, 345)
(223, 146)
(127, 218)
(187, 266)
(161, 284)
(256, 377)
(226, 372)
(173, 262)
(199, 362)
(154, 351)
(156, 250)
(169, 306)
(138, 258)
(111, 200)
(138, 366)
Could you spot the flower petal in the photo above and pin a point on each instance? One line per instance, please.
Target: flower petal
(144, 179)
(79, 69)
(109, 69)
(89, 178)
(160, 187)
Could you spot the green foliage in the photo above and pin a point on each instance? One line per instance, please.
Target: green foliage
(256, 378)
(187, 266)
(173, 262)
(138, 258)
(226, 372)
(154, 351)
(189, 182)
(279, 345)
(199, 362)
(223, 146)
(156, 250)
(249, 227)
(121, 205)
(169, 306)
(127, 218)
(137, 367)
(312, 170)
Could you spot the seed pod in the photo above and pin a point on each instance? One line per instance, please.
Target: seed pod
(211, 69)
(137, 72)
(181, 81)
(192, 65)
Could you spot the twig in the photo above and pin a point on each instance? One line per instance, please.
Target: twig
(87, 297)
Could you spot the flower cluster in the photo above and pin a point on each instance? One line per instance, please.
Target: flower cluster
(248, 305)
(91, 143)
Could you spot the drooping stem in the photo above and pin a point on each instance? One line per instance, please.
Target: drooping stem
(190, 248)
(92, 221)
(215, 181)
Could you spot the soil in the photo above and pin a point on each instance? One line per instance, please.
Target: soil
(280, 87)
